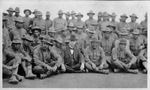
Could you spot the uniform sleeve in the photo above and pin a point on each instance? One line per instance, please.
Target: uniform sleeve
(114, 54)
(133, 58)
(57, 56)
(87, 53)
(102, 55)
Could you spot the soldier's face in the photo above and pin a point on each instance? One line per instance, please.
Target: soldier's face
(80, 30)
(133, 19)
(135, 36)
(17, 13)
(123, 18)
(17, 46)
(91, 15)
(27, 13)
(79, 17)
(104, 18)
(45, 45)
(113, 18)
(123, 36)
(58, 44)
(71, 28)
(39, 16)
(72, 43)
(36, 33)
(10, 13)
(73, 15)
(51, 34)
(67, 16)
(19, 24)
(90, 34)
(107, 34)
(122, 46)
(47, 16)
(108, 17)
(99, 17)
(25, 42)
(60, 15)
(94, 44)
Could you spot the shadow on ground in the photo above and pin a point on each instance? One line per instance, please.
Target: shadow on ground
(84, 80)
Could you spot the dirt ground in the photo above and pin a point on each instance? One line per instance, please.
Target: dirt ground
(85, 80)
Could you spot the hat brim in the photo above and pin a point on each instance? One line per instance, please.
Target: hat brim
(79, 15)
(90, 13)
(27, 10)
(134, 16)
(18, 42)
(47, 42)
(27, 39)
(38, 29)
(10, 10)
(125, 16)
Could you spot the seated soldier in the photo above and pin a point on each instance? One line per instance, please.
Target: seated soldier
(12, 58)
(27, 65)
(73, 59)
(46, 59)
(137, 45)
(95, 58)
(123, 60)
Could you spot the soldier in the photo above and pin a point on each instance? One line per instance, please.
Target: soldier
(40, 22)
(100, 17)
(10, 17)
(73, 19)
(6, 38)
(89, 21)
(67, 17)
(17, 12)
(28, 49)
(11, 61)
(107, 43)
(123, 60)
(144, 23)
(32, 20)
(46, 59)
(108, 17)
(79, 22)
(52, 34)
(133, 24)
(95, 58)
(73, 59)
(113, 20)
(81, 34)
(136, 45)
(26, 19)
(18, 31)
(105, 22)
(59, 22)
(49, 22)
(123, 23)
(36, 31)
(64, 35)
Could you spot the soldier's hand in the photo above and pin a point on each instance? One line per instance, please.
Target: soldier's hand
(54, 68)
(101, 66)
(128, 65)
(49, 68)
(93, 66)
(82, 67)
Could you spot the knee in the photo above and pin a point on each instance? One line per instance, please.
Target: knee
(105, 66)
(38, 70)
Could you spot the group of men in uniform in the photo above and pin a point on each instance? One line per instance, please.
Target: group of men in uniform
(45, 47)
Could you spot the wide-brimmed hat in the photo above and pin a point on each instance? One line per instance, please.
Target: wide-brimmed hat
(51, 29)
(28, 38)
(73, 38)
(46, 40)
(35, 11)
(94, 39)
(19, 19)
(90, 12)
(90, 30)
(124, 15)
(47, 13)
(17, 9)
(79, 27)
(73, 13)
(67, 13)
(100, 14)
(36, 28)
(71, 24)
(60, 12)
(27, 10)
(106, 29)
(39, 13)
(59, 40)
(79, 14)
(133, 15)
(10, 10)
(105, 14)
(17, 41)
(111, 25)
(113, 15)
(136, 32)
(122, 41)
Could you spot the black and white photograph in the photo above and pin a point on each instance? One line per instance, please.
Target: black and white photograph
(74, 44)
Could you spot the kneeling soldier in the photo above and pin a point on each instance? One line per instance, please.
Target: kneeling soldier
(95, 57)
(123, 59)
(44, 60)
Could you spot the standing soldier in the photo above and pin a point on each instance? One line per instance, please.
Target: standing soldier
(27, 65)
(79, 22)
(100, 17)
(73, 59)
(123, 23)
(95, 58)
(137, 45)
(113, 20)
(48, 21)
(36, 31)
(123, 59)
(73, 19)
(17, 12)
(107, 43)
(46, 59)
(19, 31)
(10, 17)
(133, 24)
(40, 22)
(91, 20)
(67, 17)
(33, 19)
(26, 19)
(59, 22)
(144, 23)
